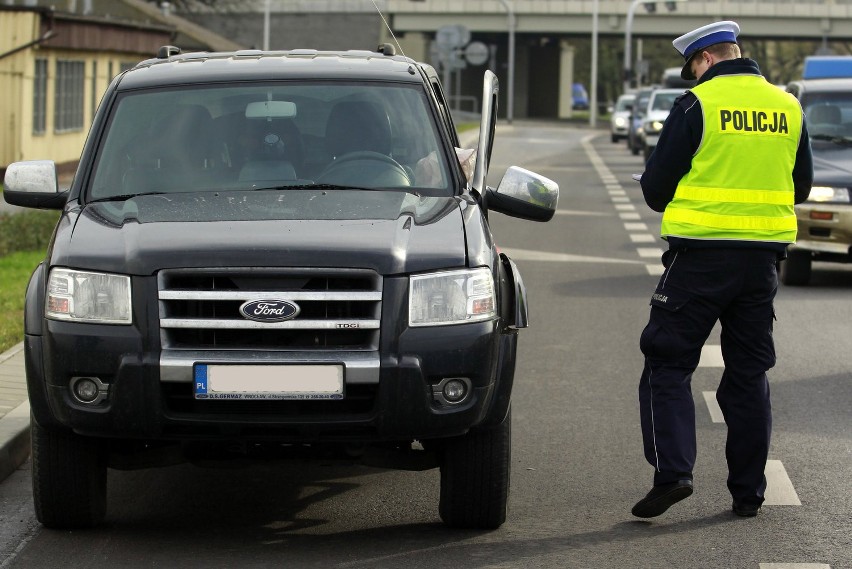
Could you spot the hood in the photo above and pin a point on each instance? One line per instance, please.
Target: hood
(832, 164)
(388, 231)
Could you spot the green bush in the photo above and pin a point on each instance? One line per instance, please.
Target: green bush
(26, 231)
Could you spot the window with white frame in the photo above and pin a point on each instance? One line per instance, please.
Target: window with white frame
(68, 114)
(40, 97)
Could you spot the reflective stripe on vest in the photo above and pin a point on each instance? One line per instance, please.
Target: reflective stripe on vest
(740, 185)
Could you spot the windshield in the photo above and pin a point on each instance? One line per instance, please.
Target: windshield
(215, 137)
(623, 103)
(642, 102)
(664, 101)
(829, 115)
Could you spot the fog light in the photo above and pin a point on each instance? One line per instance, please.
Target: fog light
(452, 390)
(89, 390)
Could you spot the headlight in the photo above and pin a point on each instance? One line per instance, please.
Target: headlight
(620, 122)
(653, 126)
(452, 297)
(828, 194)
(80, 296)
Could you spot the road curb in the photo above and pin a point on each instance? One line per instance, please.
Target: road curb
(14, 427)
(14, 439)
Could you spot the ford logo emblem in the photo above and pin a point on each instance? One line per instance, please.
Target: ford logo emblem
(269, 310)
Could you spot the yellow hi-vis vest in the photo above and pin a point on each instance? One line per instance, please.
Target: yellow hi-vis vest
(740, 186)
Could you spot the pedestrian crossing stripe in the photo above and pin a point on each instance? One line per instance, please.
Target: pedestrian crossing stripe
(711, 356)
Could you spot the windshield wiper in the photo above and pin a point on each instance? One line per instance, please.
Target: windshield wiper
(332, 187)
(123, 197)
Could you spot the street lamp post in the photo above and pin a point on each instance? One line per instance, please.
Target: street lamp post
(510, 9)
(628, 28)
(593, 96)
(266, 9)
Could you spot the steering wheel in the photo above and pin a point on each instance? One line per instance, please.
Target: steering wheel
(365, 168)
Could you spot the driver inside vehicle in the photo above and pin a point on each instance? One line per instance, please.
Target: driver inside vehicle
(358, 137)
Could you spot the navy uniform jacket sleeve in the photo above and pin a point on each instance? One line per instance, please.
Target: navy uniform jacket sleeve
(803, 169)
(679, 140)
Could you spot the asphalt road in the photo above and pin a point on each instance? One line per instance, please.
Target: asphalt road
(577, 458)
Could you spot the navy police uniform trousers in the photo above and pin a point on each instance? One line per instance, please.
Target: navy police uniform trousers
(699, 287)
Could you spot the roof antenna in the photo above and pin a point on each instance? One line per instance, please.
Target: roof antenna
(382, 16)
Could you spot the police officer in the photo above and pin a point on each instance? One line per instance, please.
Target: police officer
(732, 159)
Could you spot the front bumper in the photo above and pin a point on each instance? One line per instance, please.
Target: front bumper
(824, 228)
(388, 394)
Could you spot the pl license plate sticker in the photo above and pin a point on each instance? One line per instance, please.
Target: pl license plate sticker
(253, 382)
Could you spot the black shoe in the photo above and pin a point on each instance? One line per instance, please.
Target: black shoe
(661, 498)
(745, 509)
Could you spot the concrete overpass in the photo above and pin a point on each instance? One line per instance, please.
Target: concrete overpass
(766, 19)
(569, 20)
(553, 36)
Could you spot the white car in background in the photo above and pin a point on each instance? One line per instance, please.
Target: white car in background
(659, 106)
(620, 117)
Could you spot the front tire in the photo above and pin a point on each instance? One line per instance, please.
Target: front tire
(796, 268)
(69, 479)
(475, 477)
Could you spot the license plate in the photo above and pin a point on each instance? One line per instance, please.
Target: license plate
(268, 381)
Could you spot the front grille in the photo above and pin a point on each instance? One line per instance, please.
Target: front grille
(339, 309)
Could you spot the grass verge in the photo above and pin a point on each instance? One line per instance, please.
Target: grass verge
(26, 231)
(15, 271)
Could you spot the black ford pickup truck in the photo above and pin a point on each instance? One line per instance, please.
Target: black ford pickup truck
(266, 253)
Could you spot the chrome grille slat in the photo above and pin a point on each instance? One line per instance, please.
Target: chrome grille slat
(199, 309)
(331, 296)
(212, 323)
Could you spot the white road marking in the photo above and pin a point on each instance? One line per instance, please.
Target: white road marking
(794, 566)
(625, 207)
(779, 488)
(713, 406)
(642, 238)
(526, 255)
(655, 270)
(711, 356)
(620, 199)
(646, 252)
(617, 192)
(628, 215)
(578, 212)
(636, 226)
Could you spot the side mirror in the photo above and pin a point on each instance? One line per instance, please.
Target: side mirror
(524, 194)
(33, 183)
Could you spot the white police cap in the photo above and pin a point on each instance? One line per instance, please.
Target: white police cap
(690, 43)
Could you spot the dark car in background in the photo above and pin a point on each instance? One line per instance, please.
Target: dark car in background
(825, 219)
(637, 116)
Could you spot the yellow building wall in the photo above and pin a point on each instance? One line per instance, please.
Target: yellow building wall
(17, 76)
(16, 29)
